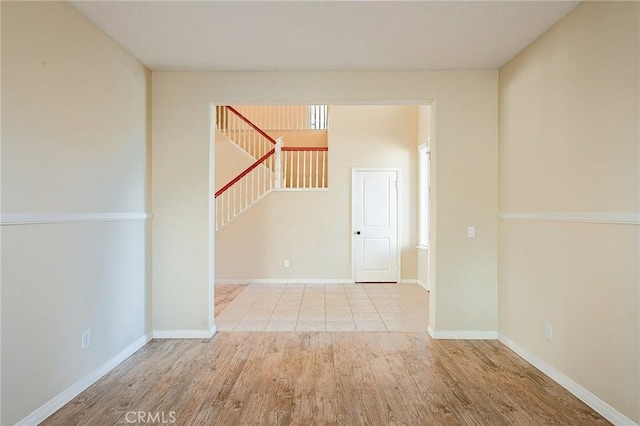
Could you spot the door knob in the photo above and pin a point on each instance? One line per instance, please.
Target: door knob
(357, 232)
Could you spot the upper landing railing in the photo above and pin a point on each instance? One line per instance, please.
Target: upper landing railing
(286, 117)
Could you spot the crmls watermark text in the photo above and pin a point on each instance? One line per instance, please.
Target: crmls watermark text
(143, 417)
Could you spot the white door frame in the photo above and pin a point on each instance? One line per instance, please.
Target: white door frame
(354, 170)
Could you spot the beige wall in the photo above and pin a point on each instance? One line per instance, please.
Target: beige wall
(313, 229)
(465, 285)
(376, 136)
(569, 145)
(301, 137)
(74, 141)
(231, 160)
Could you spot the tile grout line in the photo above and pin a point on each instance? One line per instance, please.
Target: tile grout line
(417, 326)
(304, 290)
(275, 306)
(378, 312)
(353, 319)
(246, 311)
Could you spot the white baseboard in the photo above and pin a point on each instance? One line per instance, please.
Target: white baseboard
(184, 334)
(282, 281)
(423, 285)
(607, 411)
(74, 390)
(230, 281)
(462, 334)
(304, 281)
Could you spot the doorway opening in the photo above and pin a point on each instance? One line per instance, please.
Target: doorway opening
(308, 237)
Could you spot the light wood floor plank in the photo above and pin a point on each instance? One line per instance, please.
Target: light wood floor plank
(250, 378)
(225, 294)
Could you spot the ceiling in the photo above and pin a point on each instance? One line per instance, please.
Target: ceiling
(323, 35)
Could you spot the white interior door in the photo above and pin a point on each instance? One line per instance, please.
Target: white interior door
(375, 225)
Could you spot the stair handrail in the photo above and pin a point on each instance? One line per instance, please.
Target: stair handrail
(245, 172)
(246, 120)
(305, 148)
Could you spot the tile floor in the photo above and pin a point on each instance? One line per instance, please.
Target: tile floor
(310, 307)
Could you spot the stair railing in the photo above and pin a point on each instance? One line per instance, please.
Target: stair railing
(304, 167)
(243, 132)
(286, 117)
(244, 190)
(276, 166)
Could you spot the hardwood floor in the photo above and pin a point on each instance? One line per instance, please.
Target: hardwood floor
(244, 378)
(225, 294)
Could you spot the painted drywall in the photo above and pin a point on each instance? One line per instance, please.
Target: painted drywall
(75, 136)
(465, 269)
(569, 143)
(312, 229)
(297, 138)
(376, 136)
(289, 225)
(231, 160)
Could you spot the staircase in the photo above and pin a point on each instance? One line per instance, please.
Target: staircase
(276, 167)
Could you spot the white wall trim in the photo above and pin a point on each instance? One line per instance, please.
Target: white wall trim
(211, 228)
(462, 334)
(423, 285)
(74, 390)
(184, 334)
(47, 218)
(607, 411)
(623, 218)
(283, 281)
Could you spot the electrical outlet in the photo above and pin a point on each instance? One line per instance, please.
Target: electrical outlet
(285, 264)
(86, 339)
(548, 331)
(471, 231)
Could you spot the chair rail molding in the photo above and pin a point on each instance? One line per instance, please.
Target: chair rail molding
(621, 218)
(47, 218)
